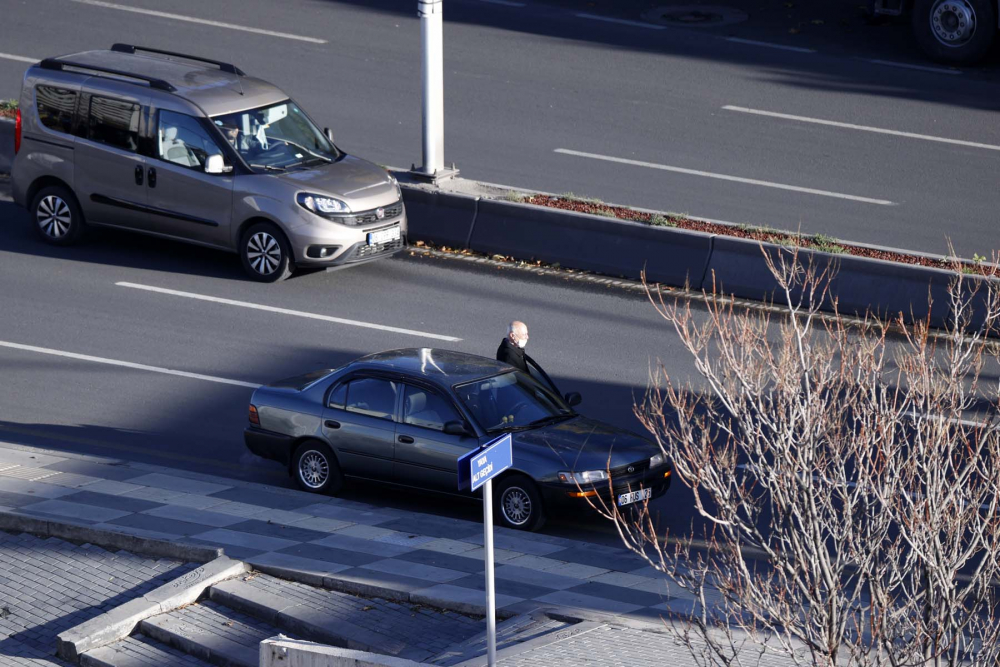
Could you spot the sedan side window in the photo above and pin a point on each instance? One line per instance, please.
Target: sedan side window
(182, 140)
(427, 409)
(372, 397)
(339, 396)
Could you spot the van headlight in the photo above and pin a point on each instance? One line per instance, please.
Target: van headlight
(321, 204)
(585, 477)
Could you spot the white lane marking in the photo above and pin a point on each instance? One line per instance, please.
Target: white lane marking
(287, 311)
(192, 19)
(126, 364)
(864, 128)
(922, 68)
(505, 3)
(20, 59)
(608, 19)
(725, 177)
(753, 42)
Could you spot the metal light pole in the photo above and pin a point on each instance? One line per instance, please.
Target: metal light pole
(432, 39)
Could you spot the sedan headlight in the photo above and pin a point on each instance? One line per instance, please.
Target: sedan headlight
(585, 477)
(657, 460)
(321, 204)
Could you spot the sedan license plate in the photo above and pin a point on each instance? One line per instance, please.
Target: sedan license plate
(634, 497)
(383, 236)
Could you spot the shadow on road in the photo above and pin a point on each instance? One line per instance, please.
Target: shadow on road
(202, 431)
(842, 28)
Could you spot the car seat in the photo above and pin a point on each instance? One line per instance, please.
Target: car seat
(175, 150)
(417, 412)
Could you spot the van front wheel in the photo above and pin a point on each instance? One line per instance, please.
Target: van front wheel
(265, 253)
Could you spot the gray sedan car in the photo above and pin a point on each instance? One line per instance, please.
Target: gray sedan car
(405, 417)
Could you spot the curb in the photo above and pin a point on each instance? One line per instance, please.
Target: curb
(297, 653)
(83, 533)
(119, 623)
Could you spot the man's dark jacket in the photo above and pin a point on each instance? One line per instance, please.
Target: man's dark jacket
(511, 354)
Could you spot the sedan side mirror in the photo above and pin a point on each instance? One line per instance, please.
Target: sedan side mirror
(455, 428)
(216, 164)
(573, 398)
(328, 133)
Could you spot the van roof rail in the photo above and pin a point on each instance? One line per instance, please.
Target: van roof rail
(131, 48)
(57, 64)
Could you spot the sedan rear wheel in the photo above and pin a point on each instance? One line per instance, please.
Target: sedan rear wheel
(316, 470)
(518, 504)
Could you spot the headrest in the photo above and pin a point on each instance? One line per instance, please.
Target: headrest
(170, 133)
(416, 402)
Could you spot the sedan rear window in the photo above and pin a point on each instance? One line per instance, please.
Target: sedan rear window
(372, 397)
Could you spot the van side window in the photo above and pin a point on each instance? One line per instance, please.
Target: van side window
(56, 107)
(181, 139)
(114, 122)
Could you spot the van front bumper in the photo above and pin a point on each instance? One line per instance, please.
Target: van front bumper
(345, 245)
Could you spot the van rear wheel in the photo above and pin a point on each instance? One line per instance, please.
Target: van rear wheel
(56, 216)
(265, 253)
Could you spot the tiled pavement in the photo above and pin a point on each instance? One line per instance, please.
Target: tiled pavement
(433, 556)
(48, 586)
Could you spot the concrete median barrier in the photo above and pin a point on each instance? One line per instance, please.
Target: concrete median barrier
(441, 218)
(859, 285)
(591, 243)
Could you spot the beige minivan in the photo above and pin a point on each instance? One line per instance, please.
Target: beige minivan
(193, 149)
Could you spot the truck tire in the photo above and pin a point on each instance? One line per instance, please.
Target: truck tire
(955, 32)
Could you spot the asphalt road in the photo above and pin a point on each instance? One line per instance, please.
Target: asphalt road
(525, 79)
(597, 341)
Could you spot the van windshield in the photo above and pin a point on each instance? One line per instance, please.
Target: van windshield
(276, 137)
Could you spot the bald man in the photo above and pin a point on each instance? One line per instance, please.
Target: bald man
(511, 348)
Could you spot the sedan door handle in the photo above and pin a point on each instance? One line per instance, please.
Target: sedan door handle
(138, 174)
(151, 177)
(329, 423)
(406, 439)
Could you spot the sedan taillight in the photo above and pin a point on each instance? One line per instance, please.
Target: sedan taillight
(254, 418)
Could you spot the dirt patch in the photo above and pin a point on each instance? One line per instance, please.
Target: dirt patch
(819, 242)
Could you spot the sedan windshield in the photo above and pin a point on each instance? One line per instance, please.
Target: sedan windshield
(512, 401)
(276, 137)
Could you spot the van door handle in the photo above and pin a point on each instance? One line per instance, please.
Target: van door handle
(151, 177)
(329, 423)
(405, 439)
(138, 174)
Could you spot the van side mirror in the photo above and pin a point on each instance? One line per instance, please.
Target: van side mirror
(328, 133)
(216, 164)
(573, 398)
(455, 428)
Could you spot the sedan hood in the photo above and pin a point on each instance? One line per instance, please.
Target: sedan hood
(585, 444)
(359, 183)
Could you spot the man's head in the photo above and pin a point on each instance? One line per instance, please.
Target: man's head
(517, 332)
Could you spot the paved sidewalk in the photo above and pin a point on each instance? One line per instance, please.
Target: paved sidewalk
(48, 586)
(426, 557)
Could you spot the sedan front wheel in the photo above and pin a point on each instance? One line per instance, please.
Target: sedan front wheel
(518, 504)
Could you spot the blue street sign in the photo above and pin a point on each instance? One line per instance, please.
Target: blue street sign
(480, 465)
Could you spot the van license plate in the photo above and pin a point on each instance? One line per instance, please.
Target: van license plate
(383, 236)
(634, 497)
